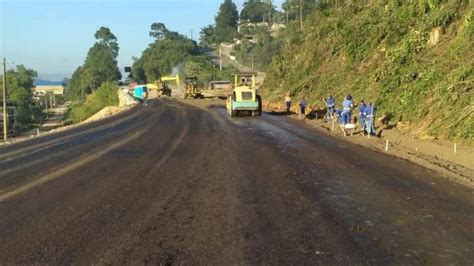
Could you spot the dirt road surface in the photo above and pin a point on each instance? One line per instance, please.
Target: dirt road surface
(181, 183)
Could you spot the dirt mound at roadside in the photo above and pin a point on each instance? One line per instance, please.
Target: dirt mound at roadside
(105, 112)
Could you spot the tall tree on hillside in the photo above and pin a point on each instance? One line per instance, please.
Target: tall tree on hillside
(158, 30)
(75, 90)
(100, 65)
(167, 51)
(256, 11)
(106, 38)
(227, 20)
(295, 8)
(207, 35)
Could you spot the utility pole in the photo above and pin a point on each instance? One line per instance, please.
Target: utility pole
(192, 31)
(5, 114)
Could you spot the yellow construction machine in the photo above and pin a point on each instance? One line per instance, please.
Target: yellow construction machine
(162, 85)
(192, 88)
(244, 97)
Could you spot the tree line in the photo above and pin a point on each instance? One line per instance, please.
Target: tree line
(173, 53)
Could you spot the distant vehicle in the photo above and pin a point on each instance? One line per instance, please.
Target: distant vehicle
(217, 89)
(219, 84)
(140, 92)
(162, 85)
(192, 88)
(244, 98)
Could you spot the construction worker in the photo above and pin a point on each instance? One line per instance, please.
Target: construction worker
(369, 113)
(338, 114)
(347, 110)
(288, 102)
(145, 95)
(303, 104)
(330, 105)
(362, 106)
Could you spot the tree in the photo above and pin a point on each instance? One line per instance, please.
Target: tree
(158, 30)
(257, 11)
(192, 69)
(226, 22)
(20, 81)
(100, 65)
(227, 15)
(161, 56)
(105, 37)
(293, 8)
(75, 89)
(207, 35)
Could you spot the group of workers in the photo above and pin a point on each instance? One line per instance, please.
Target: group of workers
(366, 111)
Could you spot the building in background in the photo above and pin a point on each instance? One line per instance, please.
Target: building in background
(45, 89)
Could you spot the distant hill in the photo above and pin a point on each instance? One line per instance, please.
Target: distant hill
(43, 82)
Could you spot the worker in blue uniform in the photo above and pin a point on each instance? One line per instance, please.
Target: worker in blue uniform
(347, 110)
(330, 106)
(369, 113)
(303, 104)
(362, 106)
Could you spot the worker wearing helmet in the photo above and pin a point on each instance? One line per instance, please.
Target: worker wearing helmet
(303, 104)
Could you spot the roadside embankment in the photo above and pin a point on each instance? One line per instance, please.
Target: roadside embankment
(452, 160)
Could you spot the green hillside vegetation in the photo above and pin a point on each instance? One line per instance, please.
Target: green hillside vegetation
(105, 95)
(173, 53)
(379, 51)
(93, 85)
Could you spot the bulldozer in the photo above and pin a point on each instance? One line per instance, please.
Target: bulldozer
(244, 97)
(192, 88)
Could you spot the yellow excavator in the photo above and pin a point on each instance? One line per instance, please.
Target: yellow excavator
(161, 85)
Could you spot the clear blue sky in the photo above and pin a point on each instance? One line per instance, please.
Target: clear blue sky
(53, 36)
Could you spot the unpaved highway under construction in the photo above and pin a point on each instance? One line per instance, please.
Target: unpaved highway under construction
(176, 183)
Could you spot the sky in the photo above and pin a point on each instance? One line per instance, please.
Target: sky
(53, 36)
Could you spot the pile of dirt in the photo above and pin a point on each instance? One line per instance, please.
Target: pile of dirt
(106, 112)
